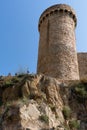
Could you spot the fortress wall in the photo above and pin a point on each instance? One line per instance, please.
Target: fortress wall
(82, 62)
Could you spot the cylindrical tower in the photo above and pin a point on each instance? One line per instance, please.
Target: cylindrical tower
(57, 55)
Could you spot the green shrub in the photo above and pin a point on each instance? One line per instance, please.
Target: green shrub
(74, 124)
(15, 79)
(66, 128)
(44, 118)
(80, 89)
(8, 83)
(53, 108)
(81, 92)
(66, 112)
(21, 75)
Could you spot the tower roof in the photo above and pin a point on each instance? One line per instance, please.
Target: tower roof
(60, 8)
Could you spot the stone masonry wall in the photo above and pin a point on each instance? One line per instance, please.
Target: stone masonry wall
(57, 49)
(82, 61)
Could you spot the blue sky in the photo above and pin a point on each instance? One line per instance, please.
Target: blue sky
(19, 36)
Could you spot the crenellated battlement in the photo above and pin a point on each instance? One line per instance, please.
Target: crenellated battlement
(58, 9)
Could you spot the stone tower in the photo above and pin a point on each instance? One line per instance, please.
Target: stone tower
(57, 45)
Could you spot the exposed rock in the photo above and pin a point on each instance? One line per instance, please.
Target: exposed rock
(38, 102)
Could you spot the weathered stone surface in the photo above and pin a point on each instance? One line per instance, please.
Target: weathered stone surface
(82, 62)
(57, 50)
(11, 93)
(10, 119)
(58, 104)
(25, 90)
(51, 88)
(40, 94)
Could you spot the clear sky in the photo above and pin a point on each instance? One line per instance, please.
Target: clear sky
(19, 35)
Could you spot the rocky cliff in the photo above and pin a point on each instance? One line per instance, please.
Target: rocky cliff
(38, 102)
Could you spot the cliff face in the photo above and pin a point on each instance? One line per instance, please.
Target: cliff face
(38, 102)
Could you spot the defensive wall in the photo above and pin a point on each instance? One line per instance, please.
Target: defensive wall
(82, 63)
